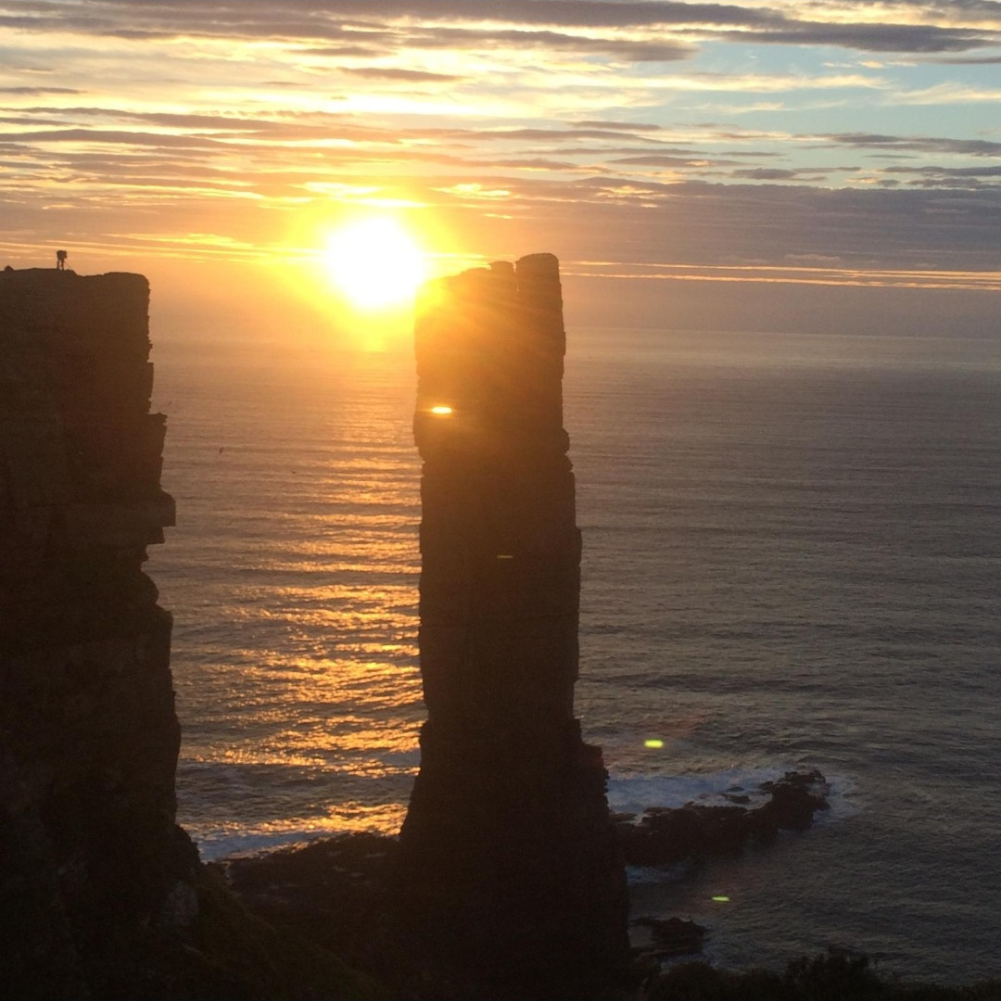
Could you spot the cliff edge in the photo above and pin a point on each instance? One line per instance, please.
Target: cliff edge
(88, 734)
(101, 893)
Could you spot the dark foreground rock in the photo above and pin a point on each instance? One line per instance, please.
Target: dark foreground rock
(338, 892)
(224, 952)
(696, 832)
(673, 936)
(834, 976)
(334, 892)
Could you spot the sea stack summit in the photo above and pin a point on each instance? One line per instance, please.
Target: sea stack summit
(509, 863)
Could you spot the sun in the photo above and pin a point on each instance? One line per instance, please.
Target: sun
(374, 263)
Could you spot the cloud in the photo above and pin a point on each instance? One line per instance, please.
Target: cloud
(922, 144)
(398, 75)
(573, 133)
(865, 228)
(913, 38)
(771, 174)
(281, 127)
(343, 51)
(631, 50)
(321, 18)
(622, 126)
(971, 61)
(391, 25)
(950, 93)
(222, 116)
(768, 83)
(124, 138)
(948, 171)
(954, 177)
(536, 163)
(567, 13)
(660, 160)
(634, 31)
(38, 91)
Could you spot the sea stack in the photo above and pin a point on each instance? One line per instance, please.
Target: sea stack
(510, 871)
(90, 856)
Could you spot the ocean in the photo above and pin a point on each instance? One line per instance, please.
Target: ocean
(792, 559)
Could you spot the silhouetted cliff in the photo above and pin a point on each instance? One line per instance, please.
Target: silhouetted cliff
(509, 863)
(88, 734)
(101, 894)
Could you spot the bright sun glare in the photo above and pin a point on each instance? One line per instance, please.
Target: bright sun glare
(375, 263)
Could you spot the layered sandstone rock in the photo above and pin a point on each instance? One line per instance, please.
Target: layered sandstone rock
(88, 734)
(101, 894)
(509, 864)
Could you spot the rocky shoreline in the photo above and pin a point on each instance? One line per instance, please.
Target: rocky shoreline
(337, 892)
(697, 831)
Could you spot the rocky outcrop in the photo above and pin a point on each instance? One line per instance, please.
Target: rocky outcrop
(339, 892)
(673, 936)
(698, 831)
(336, 892)
(88, 734)
(508, 860)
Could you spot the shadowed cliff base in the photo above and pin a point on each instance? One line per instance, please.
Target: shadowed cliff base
(342, 893)
(338, 893)
(833, 976)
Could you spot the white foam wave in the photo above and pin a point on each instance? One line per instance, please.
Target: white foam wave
(636, 793)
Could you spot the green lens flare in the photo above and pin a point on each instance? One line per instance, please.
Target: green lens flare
(653, 743)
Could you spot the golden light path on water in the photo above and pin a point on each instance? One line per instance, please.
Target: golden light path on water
(298, 689)
(346, 817)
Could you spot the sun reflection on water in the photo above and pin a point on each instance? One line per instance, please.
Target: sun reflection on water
(294, 589)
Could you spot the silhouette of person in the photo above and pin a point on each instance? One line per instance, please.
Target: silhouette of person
(61, 256)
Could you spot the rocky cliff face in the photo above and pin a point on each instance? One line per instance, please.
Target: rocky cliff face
(89, 851)
(509, 864)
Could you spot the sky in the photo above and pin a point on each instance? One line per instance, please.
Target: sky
(812, 165)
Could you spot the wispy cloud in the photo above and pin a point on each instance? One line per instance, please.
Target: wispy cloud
(642, 132)
(399, 75)
(897, 38)
(920, 144)
(951, 93)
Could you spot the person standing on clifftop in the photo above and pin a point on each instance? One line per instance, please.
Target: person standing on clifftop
(61, 256)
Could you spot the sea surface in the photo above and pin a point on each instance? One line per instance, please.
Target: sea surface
(792, 559)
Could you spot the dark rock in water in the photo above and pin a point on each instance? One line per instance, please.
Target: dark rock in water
(795, 798)
(674, 936)
(740, 799)
(698, 831)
